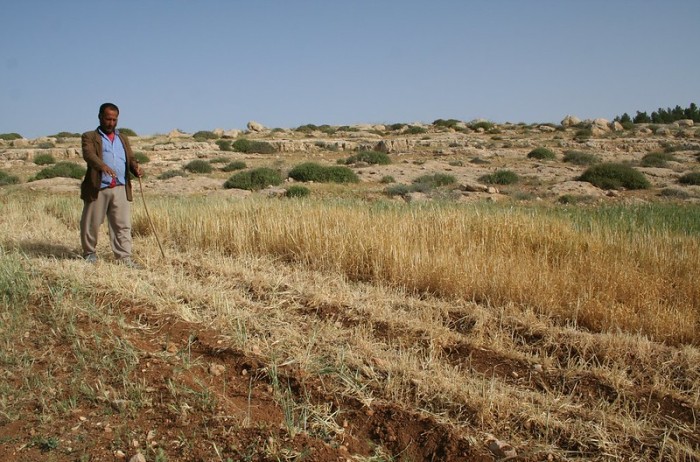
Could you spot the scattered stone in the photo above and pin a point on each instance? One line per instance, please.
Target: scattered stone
(138, 457)
(570, 121)
(500, 449)
(119, 454)
(216, 369)
(685, 123)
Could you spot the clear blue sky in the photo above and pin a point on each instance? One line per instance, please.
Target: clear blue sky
(201, 65)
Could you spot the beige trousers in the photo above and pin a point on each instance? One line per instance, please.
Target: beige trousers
(110, 203)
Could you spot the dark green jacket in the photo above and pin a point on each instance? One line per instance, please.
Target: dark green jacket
(92, 153)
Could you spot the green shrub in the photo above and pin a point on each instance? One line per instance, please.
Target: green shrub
(369, 157)
(6, 178)
(127, 132)
(614, 176)
(583, 134)
(435, 180)
(311, 171)
(249, 147)
(308, 128)
(397, 190)
(580, 158)
(396, 127)
(502, 177)
(198, 166)
(234, 165)
(205, 135)
(171, 174)
(387, 179)
(297, 191)
(10, 136)
(44, 159)
(692, 178)
(657, 159)
(674, 193)
(449, 123)
(415, 130)
(485, 124)
(141, 158)
(541, 154)
(224, 145)
(46, 145)
(254, 179)
(61, 169)
(66, 135)
(219, 160)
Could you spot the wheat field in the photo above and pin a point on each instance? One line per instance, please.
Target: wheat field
(568, 335)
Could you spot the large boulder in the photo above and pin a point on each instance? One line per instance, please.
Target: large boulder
(570, 121)
(254, 126)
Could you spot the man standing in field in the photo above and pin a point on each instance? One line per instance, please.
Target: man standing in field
(106, 189)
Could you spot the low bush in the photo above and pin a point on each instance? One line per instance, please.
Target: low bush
(10, 136)
(692, 178)
(255, 179)
(219, 160)
(484, 124)
(61, 169)
(674, 193)
(234, 165)
(66, 135)
(205, 135)
(449, 123)
(311, 171)
(46, 145)
(415, 130)
(141, 157)
(580, 158)
(171, 174)
(249, 147)
(44, 159)
(435, 180)
(198, 166)
(657, 159)
(297, 191)
(369, 157)
(387, 179)
(583, 134)
(614, 176)
(6, 178)
(224, 145)
(397, 190)
(541, 154)
(502, 177)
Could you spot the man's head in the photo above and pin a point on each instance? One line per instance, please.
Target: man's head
(109, 115)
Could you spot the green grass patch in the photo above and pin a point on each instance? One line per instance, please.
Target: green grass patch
(6, 178)
(234, 166)
(44, 159)
(255, 179)
(692, 178)
(541, 153)
(198, 166)
(297, 191)
(657, 159)
(61, 169)
(311, 171)
(615, 176)
(502, 177)
(435, 180)
(141, 157)
(369, 157)
(580, 158)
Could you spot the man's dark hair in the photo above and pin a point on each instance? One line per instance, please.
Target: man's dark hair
(111, 106)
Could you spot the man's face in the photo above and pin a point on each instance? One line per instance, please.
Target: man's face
(108, 120)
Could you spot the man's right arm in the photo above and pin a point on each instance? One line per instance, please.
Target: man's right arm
(91, 155)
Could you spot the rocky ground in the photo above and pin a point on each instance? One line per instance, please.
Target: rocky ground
(467, 154)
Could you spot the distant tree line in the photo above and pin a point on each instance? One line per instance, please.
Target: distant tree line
(662, 116)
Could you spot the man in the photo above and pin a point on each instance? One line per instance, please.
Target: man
(106, 189)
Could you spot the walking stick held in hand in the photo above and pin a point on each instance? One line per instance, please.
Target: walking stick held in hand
(153, 228)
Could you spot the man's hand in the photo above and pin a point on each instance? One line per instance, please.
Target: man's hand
(139, 171)
(109, 171)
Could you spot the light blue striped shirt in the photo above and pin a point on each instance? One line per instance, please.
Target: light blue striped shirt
(114, 155)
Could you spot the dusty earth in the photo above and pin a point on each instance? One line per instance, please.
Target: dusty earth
(237, 387)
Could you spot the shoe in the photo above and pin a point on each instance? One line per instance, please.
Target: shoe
(91, 258)
(129, 263)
